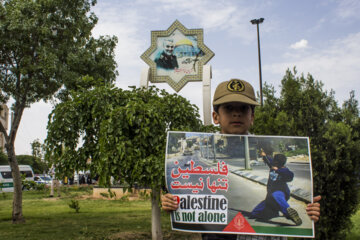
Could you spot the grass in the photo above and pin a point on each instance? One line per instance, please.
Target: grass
(52, 218)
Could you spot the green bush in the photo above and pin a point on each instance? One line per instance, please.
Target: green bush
(3, 158)
(74, 204)
(296, 152)
(37, 165)
(124, 198)
(144, 195)
(304, 109)
(39, 187)
(26, 184)
(105, 195)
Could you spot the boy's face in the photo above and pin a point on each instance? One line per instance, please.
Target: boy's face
(234, 118)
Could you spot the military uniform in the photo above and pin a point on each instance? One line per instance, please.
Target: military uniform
(166, 61)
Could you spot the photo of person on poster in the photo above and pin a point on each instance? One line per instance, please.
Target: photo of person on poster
(278, 192)
(167, 60)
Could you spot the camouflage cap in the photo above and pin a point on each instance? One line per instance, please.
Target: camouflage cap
(235, 90)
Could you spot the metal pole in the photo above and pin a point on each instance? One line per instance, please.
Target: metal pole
(207, 94)
(207, 148)
(214, 148)
(247, 154)
(260, 77)
(257, 22)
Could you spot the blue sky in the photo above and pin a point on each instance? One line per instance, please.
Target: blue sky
(318, 37)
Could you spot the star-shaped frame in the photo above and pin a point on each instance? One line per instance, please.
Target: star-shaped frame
(177, 55)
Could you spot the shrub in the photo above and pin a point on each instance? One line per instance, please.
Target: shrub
(74, 204)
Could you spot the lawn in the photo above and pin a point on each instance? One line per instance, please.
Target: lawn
(52, 218)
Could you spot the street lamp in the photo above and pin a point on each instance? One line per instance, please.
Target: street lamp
(257, 22)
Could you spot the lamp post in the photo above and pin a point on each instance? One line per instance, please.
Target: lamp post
(257, 22)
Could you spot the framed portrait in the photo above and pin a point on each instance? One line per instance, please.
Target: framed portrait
(177, 55)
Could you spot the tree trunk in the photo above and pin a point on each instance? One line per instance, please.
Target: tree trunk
(17, 216)
(52, 187)
(155, 215)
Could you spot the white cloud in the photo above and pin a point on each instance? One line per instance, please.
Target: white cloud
(215, 15)
(126, 25)
(348, 9)
(335, 64)
(303, 43)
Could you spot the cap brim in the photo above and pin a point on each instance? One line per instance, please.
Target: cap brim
(235, 98)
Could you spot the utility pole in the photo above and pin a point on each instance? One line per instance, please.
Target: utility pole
(257, 22)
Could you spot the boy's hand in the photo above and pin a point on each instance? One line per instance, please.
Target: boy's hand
(313, 209)
(262, 153)
(169, 202)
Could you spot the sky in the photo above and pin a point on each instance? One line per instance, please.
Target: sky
(318, 37)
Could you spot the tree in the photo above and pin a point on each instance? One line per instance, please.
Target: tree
(39, 165)
(3, 158)
(46, 46)
(36, 148)
(350, 110)
(124, 134)
(305, 109)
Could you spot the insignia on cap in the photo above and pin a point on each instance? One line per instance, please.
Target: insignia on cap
(236, 86)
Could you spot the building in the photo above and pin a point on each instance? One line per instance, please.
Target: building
(4, 118)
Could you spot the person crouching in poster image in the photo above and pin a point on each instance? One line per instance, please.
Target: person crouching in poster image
(234, 104)
(278, 192)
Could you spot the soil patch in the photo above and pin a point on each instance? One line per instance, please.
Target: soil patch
(51, 199)
(129, 235)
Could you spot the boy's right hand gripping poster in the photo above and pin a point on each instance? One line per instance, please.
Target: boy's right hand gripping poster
(240, 184)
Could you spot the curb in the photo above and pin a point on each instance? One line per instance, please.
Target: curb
(296, 193)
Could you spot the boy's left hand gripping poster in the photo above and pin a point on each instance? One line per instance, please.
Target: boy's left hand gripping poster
(237, 184)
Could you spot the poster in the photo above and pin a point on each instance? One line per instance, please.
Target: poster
(236, 184)
(177, 55)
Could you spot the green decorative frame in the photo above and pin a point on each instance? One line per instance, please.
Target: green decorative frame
(177, 86)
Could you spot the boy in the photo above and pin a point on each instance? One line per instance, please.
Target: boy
(278, 192)
(234, 104)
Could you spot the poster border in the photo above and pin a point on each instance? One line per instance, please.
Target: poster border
(293, 230)
(177, 86)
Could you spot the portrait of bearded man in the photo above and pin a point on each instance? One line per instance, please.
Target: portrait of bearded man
(167, 60)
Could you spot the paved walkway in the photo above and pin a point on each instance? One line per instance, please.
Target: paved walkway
(298, 187)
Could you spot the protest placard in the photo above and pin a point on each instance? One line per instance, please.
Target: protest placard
(240, 184)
